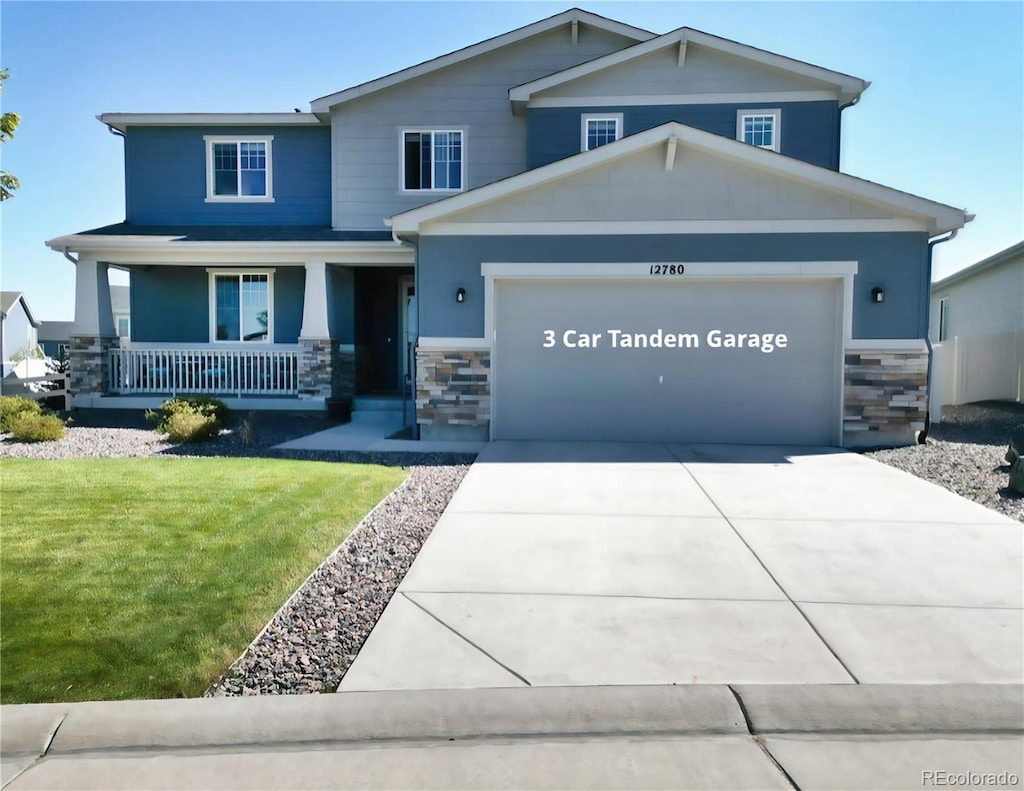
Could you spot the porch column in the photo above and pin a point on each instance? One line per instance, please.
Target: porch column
(314, 306)
(92, 335)
(326, 371)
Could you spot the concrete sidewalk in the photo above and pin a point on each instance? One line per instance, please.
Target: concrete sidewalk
(618, 564)
(713, 737)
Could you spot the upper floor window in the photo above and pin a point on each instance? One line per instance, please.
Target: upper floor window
(601, 129)
(239, 169)
(241, 305)
(759, 128)
(432, 160)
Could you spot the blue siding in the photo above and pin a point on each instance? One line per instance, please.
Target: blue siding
(896, 261)
(171, 304)
(810, 130)
(165, 178)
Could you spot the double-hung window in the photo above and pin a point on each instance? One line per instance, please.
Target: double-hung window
(239, 169)
(433, 160)
(241, 305)
(759, 128)
(598, 130)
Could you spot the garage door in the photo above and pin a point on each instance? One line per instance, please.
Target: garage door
(654, 361)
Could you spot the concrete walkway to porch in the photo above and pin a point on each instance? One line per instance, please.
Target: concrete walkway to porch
(370, 437)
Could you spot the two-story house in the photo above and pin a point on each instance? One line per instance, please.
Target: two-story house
(575, 230)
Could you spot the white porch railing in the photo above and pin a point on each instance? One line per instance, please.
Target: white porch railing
(209, 370)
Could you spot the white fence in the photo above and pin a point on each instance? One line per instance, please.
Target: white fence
(34, 387)
(979, 368)
(210, 371)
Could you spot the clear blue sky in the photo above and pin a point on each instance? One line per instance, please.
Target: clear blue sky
(943, 118)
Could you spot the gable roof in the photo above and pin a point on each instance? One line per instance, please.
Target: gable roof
(8, 299)
(938, 217)
(848, 87)
(325, 103)
(1010, 254)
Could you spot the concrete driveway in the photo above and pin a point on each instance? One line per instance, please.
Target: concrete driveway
(561, 564)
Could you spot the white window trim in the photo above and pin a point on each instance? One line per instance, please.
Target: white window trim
(775, 112)
(943, 328)
(401, 160)
(268, 140)
(586, 118)
(212, 274)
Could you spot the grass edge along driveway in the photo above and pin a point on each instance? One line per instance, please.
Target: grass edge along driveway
(146, 578)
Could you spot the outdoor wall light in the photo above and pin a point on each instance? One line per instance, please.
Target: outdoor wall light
(460, 295)
(877, 294)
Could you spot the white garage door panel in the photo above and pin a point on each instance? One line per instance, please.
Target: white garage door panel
(690, 395)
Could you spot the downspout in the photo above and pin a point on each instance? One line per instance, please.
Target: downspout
(923, 436)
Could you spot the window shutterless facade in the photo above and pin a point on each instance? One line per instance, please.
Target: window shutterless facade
(759, 128)
(433, 160)
(943, 319)
(598, 130)
(239, 169)
(242, 305)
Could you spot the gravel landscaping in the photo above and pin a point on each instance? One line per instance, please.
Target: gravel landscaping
(313, 639)
(964, 453)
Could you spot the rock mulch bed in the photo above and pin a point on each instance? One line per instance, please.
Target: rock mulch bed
(313, 639)
(965, 454)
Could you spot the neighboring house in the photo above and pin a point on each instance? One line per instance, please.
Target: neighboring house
(19, 342)
(18, 326)
(977, 331)
(575, 230)
(55, 336)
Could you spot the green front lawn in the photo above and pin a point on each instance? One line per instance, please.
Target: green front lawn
(146, 578)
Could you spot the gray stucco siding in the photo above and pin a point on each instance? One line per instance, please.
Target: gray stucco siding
(809, 130)
(896, 262)
(471, 96)
(171, 304)
(165, 177)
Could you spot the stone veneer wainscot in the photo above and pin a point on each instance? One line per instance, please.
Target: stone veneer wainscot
(89, 364)
(885, 398)
(326, 369)
(453, 393)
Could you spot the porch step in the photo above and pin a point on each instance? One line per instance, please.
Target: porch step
(381, 410)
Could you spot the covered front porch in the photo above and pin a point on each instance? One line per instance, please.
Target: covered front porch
(262, 322)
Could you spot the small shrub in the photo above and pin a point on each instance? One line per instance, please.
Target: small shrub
(183, 427)
(36, 427)
(246, 433)
(11, 407)
(190, 418)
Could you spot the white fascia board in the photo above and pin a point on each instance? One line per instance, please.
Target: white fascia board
(325, 103)
(849, 86)
(121, 121)
(674, 227)
(166, 250)
(940, 217)
(775, 97)
(702, 269)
